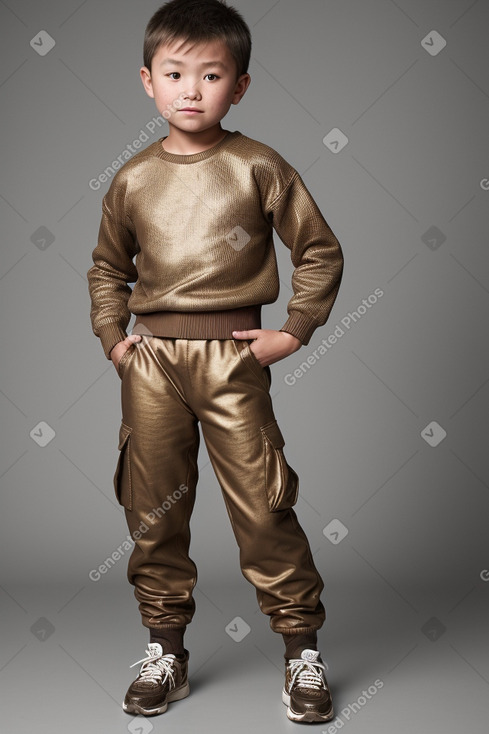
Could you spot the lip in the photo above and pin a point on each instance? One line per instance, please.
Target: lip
(190, 109)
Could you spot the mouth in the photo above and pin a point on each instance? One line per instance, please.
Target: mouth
(192, 110)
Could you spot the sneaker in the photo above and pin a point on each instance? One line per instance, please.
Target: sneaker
(161, 680)
(306, 693)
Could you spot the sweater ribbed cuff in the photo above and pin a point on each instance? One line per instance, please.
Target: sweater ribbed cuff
(300, 326)
(110, 334)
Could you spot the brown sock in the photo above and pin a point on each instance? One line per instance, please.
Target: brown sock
(170, 639)
(295, 644)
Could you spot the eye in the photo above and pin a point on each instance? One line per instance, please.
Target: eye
(214, 75)
(174, 72)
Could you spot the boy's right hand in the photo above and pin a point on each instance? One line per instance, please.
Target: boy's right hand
(121, 347)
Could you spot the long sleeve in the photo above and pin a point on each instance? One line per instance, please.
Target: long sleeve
(113, 269)
(316, 255)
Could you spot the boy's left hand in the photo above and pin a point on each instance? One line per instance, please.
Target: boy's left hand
(270, 346)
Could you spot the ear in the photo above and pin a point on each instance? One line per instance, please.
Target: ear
(146, 80)
(241, 86)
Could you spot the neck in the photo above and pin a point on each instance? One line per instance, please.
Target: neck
(180, 142)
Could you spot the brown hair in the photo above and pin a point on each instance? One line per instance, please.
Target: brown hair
(199, 21)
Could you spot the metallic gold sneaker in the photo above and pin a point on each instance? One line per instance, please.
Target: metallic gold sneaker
(306, 693)
(161, 680)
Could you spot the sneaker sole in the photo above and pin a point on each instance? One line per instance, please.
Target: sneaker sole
(308, 717)
(175, 695)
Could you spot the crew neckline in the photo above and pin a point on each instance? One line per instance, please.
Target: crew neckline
(193, 157)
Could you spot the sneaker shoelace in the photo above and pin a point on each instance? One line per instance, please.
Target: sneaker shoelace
(156, 668)
(306, 675)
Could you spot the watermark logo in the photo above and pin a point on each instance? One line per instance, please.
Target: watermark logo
(156, 513)
(42, 43)
(238, 238)
(433, 238)
(132, 148)
(42, 434)
(140, 725)
(352, 709)
(335, 531)
(171, 499)
(433, 434)
(433, 629)
(346, 323)
(238, 629)
(42, 629)
(433, 43)
(42, 238)
(335, 140)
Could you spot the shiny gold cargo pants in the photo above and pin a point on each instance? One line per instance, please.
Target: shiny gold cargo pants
(168, 386)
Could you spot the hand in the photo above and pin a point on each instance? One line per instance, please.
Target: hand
(121, 347)
(270, 346)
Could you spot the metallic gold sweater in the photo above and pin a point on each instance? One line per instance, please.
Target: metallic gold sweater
(194, 233)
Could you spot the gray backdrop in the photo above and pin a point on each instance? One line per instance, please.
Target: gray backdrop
(383, 108)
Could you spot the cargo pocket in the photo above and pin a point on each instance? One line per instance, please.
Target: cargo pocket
(281, 481)
(122, 477)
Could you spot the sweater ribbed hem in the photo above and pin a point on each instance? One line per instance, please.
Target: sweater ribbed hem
(300, 326)
(198, 324)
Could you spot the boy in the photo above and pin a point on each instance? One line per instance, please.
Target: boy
(196, 209)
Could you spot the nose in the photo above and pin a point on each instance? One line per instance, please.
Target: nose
(192, 89)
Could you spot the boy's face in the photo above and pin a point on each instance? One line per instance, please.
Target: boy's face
(197, 76)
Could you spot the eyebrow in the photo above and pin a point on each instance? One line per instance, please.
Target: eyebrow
(205, 64)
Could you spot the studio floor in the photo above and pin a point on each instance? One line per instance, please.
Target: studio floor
(66, 653)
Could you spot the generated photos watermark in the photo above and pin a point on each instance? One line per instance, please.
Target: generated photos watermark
(128, 544)
(132, 148)
(352, 709)
(346, 323)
